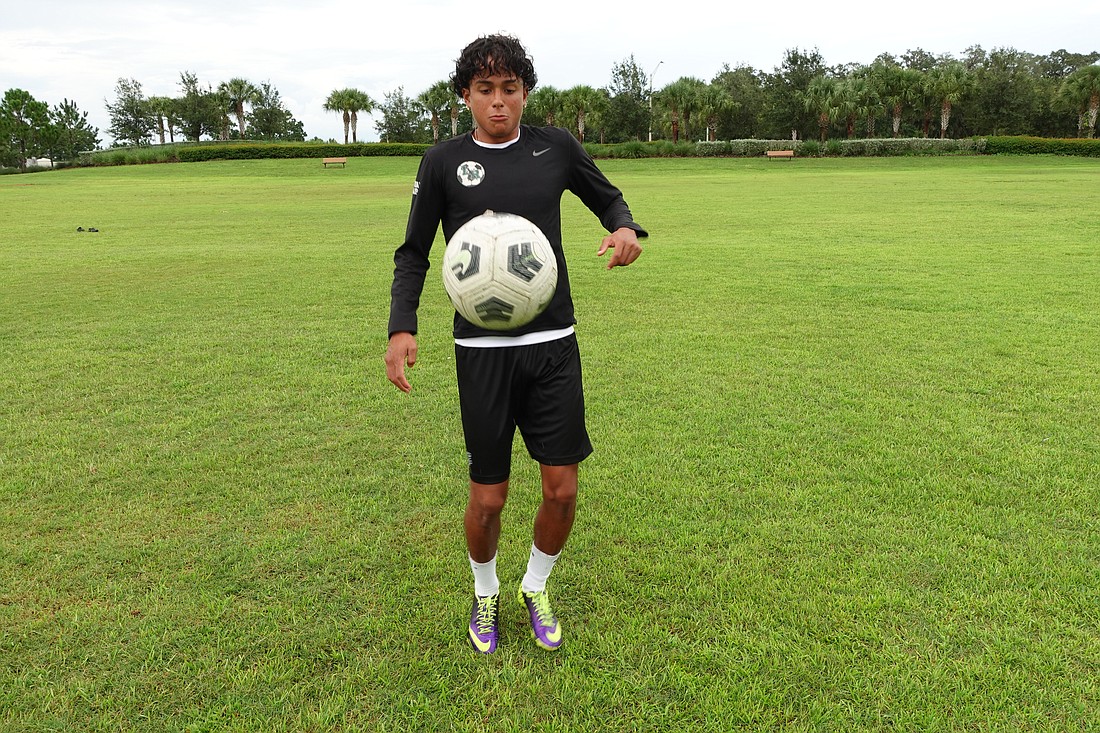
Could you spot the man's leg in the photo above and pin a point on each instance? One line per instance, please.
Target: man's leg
(482, 522)
(559, 504)
(482, 519)
(552, 526)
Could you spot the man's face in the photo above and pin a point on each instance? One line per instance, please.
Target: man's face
(496, 103)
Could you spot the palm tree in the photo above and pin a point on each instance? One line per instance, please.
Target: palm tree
(866, 88)
(846, 101)
(545, 105)
(926, 101)
(679, 99)
(900, 87)
(350, 102)
(820, 98)
(360, 102)
(220, 100)
(455, 110)
(238, 92)
(948, 84)
(714, 103)
(693, 104)
(163, 111)
(1082, 90)
(439, 98)
(336, 102)
(579, 102)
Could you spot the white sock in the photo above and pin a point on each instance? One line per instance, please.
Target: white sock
(485, 577)
(539, 566)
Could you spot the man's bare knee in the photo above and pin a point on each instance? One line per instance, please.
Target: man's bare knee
(559, 484)
(487, 500)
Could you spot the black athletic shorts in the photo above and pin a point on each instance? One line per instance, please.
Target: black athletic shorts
(536, 388)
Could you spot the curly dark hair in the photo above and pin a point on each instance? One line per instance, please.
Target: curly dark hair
(496, 54)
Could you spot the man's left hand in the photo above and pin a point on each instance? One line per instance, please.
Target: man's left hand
(625, 243)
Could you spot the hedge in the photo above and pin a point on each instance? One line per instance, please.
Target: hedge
(835, 147)
(252, 151)
(198, 152)
(1042, 146)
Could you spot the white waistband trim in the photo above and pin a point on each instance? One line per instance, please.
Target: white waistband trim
(527, 339)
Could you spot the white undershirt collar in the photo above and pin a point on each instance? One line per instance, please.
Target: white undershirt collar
(497, 146)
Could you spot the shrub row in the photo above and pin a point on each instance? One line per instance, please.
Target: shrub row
(805, 148)
(194, 153)
(878, 147)
(867, 147)
(894, 147)
(244, 151)
(637, 149)
(755, 148)
(1041, 146)
(129, 156)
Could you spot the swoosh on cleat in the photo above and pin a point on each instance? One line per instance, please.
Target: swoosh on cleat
(481, 646)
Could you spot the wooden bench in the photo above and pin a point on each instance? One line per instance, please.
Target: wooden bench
(335, 161)
(779, 153)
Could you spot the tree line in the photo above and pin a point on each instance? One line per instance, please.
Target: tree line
(917, 94)
(30, 128)
(233, 110)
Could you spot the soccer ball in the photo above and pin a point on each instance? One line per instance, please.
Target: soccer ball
(499, 271)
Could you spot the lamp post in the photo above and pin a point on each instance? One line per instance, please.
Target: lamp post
(651, 75)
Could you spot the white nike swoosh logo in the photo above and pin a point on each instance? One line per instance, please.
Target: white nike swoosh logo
(537, 153)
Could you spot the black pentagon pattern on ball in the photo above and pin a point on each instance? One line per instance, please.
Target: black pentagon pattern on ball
(472, 263)
(522, 261)
(494, 309)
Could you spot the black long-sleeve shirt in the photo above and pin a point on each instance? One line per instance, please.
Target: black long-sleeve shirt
(459, 179)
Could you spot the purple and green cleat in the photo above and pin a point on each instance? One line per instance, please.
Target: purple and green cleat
(544, 625)
(485, 624)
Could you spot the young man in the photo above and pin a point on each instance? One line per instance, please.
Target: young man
(529, 377)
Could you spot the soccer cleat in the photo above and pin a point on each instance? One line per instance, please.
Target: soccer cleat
(484, 624)
(544, 626)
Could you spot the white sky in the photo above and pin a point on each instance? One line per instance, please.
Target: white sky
(78, 49)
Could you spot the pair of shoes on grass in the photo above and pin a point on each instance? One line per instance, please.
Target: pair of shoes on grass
(485, 621)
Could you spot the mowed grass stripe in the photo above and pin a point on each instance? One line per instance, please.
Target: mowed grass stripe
(845, 418)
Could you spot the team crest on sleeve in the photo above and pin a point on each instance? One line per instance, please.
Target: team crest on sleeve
(471, 173)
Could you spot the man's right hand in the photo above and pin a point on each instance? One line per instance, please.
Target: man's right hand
(400, 352)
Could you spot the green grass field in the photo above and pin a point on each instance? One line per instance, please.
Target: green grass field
(847, 419)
